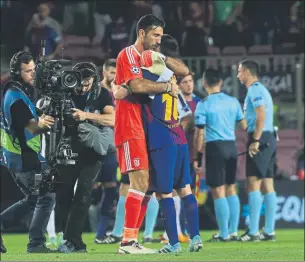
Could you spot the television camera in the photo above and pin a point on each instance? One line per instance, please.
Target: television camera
(56, 87)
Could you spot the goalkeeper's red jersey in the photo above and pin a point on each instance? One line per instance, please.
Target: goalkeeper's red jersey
(128, 114)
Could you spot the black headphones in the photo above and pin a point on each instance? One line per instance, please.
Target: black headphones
(15, 65)
(89, 67)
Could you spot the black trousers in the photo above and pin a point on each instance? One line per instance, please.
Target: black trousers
(72, 208)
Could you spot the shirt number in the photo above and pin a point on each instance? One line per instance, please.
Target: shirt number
(171, 107)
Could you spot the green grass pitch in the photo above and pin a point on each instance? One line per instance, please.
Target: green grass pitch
(288, 247)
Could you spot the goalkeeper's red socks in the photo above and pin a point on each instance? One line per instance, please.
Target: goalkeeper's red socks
(133, 206)
(142, 214)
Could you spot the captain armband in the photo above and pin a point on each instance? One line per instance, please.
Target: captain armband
(127, 88)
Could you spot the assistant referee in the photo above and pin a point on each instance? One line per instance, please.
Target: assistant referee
(258, 109)
(215, 119)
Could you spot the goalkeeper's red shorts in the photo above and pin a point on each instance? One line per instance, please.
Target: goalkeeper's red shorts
(132, 156)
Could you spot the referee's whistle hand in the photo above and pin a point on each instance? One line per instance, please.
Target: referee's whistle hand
(253, 149)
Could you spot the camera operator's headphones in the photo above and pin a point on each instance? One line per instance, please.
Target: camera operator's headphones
(88, 68)
(15, 65)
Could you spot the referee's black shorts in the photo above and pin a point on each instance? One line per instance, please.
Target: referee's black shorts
(262, 164)
(221, 163)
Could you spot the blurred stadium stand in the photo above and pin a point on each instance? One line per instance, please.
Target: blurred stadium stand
(278, 50)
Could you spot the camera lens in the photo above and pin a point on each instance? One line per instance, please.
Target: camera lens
(70, 80)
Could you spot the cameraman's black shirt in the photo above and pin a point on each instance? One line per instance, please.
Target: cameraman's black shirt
(79, 101)
(91, 103)
(21, 115)
(97, 105)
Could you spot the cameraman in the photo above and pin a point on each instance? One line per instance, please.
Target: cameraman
(21, 128)
(94, 105)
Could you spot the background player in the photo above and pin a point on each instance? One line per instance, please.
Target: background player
(108, 72)
(259, 164)
(186, 86)
(107, 176)
(215, 119)
(129, 133)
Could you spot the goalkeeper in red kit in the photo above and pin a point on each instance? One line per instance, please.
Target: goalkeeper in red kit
(129, 133)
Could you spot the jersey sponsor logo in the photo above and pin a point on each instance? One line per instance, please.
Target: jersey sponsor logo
(136, 162)
(135, 70)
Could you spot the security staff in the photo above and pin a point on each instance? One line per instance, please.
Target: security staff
(258, 108)
(93, 105)
(215, 119)
(20, 144)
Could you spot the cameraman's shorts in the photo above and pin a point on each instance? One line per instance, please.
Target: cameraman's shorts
(108, 171)
(132, 156)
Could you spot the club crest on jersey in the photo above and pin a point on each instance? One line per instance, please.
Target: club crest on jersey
(135, 70)
(136, 162)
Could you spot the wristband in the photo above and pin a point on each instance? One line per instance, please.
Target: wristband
(199, 156)
(163, 57)
(128, 88)
(169, 87)
(256, 140)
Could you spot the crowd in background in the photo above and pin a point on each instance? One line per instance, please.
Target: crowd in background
(196, 24)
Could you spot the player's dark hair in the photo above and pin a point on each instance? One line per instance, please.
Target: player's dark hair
(180, 78)
(212, 77)
(109, 63)
(149, 22)
(251, 65)
(169, 46)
